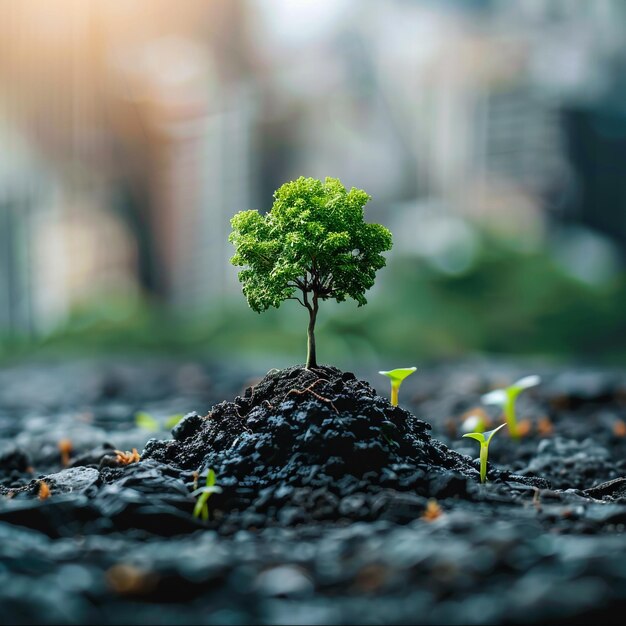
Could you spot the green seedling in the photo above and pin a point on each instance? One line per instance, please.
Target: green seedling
(146, 421)
(201, 510)
(484, 439)
(173, 420)
(397, 376)
(507, 398)
(313, 245)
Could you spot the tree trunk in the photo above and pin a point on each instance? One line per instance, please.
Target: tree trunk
(311, 355)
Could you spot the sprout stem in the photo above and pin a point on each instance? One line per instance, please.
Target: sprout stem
(484, 439)
(394, 394)
(509, 414)
(484, 453)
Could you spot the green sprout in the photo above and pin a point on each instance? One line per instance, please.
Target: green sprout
(484, 439)
(507, 398)
(313, 245)
(146, 421)
(173, 420)
(201, 510)
(397, 376)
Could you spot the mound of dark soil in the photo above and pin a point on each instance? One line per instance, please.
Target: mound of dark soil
(317, 444)
(321, 518)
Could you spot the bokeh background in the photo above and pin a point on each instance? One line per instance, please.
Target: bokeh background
(490, 134)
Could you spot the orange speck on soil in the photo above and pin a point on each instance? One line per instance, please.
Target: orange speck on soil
(126, 458)
(524, 427)
(432, 512)
(130, 580)
(619, 428)
(545, 426)
(65, 448)
(44, 490)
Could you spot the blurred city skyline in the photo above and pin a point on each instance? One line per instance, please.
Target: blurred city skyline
(132, 131)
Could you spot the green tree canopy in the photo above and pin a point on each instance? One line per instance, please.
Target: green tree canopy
(312, 245)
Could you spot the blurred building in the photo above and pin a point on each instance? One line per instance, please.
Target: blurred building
(146, 144)
(18, 197)
(135, 131)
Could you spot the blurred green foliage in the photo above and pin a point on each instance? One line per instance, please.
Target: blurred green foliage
(509, 301)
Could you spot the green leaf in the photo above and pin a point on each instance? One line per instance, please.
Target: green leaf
(198, 510)
(478, 436)
(490, 433)
(500, 396)
(208, 489)
(210, 478)
(146, 421)
(173, 420)
(484, 438)
(201, 509)
(399, 374)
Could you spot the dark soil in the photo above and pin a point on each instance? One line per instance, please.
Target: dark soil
(305, 446)
(335, 507)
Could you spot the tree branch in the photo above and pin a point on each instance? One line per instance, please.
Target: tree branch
(306, 301)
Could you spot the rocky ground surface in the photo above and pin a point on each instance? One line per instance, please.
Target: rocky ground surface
(335, 507)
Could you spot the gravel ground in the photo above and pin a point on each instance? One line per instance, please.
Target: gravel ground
(335, 508)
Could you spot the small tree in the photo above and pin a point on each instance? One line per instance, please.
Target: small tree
(312, 245)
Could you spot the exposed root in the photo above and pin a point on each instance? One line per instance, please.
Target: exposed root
(309, 389)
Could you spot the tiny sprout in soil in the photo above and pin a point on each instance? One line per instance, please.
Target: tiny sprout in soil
(201, 510)
(397, 376)
(146, 421)
(507, 398)
(484, 439)
(173, 420)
